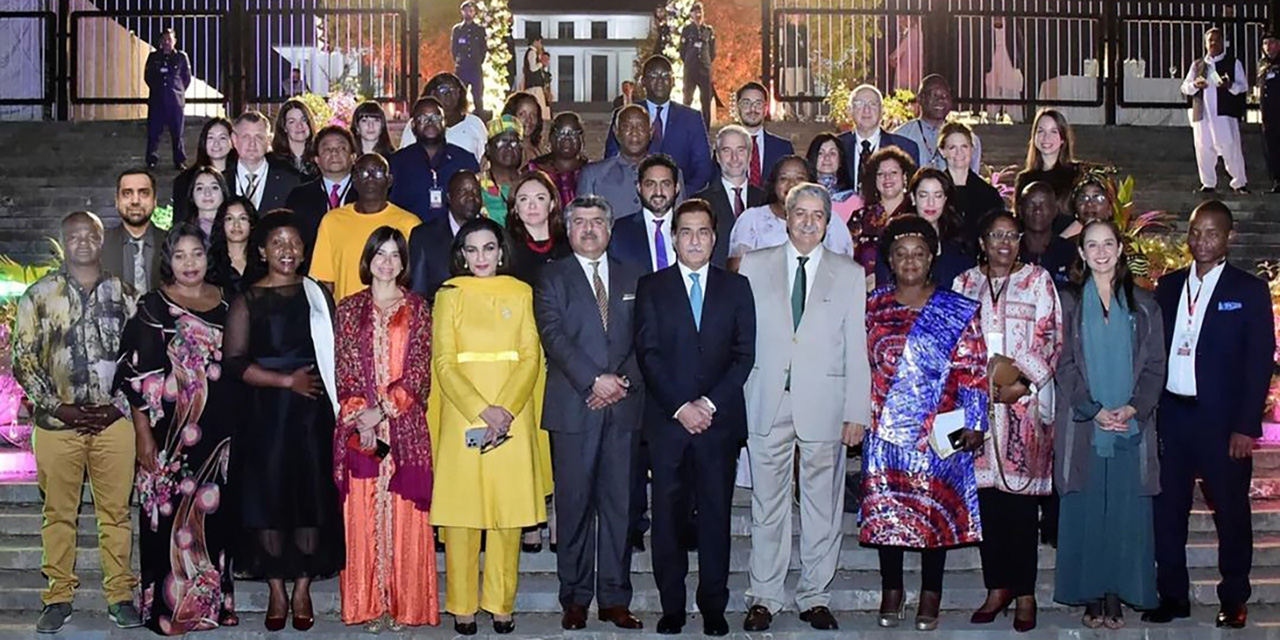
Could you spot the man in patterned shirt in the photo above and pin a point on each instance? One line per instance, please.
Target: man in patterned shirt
(65, 343)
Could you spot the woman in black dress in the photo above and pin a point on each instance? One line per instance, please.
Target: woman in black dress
(170, 371)
(280, 342)
(535, 223)
(229, 245)
(974, 197)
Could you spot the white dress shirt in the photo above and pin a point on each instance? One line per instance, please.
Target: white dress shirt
(343, 185)
(729, 186)
(242, 182)
(650, 224)
(1239, 83)
(653, 111)
(857, 151)
(1186, 330)
(585, 262)
(810, 269)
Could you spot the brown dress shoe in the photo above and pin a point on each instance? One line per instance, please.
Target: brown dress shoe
(620, 617)
(758, 619)
(575, 618)
(820, 618)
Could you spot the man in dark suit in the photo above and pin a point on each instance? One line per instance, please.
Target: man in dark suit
(131, 250)
(335, 154)
(731, 193)
(645, 238)
(168, 72)
(867, 106)
(695, 341)
(766, 148)
(677, 130)
(1221, 339)
(594, 398)
(430, 242)
(265, 182)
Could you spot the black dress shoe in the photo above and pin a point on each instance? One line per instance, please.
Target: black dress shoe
(1244, 191)
(1167, 612)
(574, 618)
(464, 628)
(1233, 616)
(758, 619)
(714, 624)
(820, 618)
(504, 626)
(671, 624)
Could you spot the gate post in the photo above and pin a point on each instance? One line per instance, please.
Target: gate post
(766, 45)
(235, 67)
(415, 36)
(1112, 68)
(62, 61)
(940, 41)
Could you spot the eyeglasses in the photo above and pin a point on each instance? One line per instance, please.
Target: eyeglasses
(445, 88)
(568, 133)
(658, 75)
(865, 104)
(751, 104)
(1097, 198)
(374, 174)
(1004, 236)
(506, 144)
(428, 118)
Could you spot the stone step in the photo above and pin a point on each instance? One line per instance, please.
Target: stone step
(1052, 624)
(538, 592)
(24, 553)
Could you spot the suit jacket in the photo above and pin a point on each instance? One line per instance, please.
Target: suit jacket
(578, 348)
(682, 363)
(113, 242)
(826, 356)
(1235, 355)
(630, 241)
(1073, 431)
(281, 180)
(716, 194)
(310, 202)
(684, 138)
(850, 141)
(774, 148)
(429, 256)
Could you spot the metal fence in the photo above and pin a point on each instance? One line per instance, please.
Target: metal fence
(1100, 60)
(82, 59)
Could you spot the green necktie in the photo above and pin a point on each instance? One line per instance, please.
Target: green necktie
(797, 293)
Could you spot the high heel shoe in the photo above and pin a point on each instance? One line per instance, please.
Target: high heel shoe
(276, 623)
(504, 626)
(890, 619)
(987, 616)
(928, 620)
(1022, 623)
(301, 622)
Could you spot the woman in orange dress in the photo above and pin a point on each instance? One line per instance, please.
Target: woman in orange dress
(382, 447)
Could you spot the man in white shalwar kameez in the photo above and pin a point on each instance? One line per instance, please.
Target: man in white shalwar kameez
(1216, 85)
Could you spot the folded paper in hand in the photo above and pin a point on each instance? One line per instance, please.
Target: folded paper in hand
(945, 436)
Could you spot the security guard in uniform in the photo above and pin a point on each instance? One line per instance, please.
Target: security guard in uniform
(1269, 88)
(469, 50)
(168, 72)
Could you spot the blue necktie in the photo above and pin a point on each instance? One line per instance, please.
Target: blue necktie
(660, 244)
(695, 300)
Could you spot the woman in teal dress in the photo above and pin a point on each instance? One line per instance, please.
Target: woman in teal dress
(1110, 375)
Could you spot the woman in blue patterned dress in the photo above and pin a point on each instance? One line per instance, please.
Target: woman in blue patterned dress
(928, 371)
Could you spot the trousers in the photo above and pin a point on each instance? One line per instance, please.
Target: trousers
(462, 570)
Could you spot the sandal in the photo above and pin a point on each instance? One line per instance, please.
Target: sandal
(1114, 612)
(374, 626)
(1092, 618)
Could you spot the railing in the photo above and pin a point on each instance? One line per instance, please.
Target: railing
(1102, 60)
(32, 78)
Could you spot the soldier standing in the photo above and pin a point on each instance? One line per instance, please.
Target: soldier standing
(469, 49)
(168, 72)
(698, 51)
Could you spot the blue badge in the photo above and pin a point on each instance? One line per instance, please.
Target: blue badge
(1229, 306)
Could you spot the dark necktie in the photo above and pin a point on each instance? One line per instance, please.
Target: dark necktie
(737, 202)
(798, 291)
(655, 137)
(754, 176)
(602, 298)
(863, 156)
(335, 198)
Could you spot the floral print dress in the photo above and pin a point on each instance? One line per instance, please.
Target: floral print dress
(170, 369)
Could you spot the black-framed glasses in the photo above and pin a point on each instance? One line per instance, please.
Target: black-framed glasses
(1004, 236)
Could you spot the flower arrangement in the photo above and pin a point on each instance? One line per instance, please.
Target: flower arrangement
(676, 16)
(495, 17)
(1153, 251)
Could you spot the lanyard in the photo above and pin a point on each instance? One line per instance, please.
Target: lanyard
(1193, 301)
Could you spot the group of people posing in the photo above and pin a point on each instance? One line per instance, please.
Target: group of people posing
(479, 331)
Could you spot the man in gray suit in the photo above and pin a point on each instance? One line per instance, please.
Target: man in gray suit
(810, 391)
(593, 405)
(131, 250)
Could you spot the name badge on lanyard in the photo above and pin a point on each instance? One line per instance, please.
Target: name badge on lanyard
(1187, 336)
(435, 193)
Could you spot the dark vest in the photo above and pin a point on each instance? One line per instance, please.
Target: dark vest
(1229, 104)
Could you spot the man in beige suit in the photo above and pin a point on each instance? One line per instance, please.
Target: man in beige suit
(810, 390)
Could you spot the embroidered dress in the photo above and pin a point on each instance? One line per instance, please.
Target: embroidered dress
(384, 360)
(1029, 318)
(170, 368)
(923, 363)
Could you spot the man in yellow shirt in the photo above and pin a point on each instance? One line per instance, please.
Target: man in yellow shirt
(345, 231)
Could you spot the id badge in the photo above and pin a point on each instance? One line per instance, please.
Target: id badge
(995, 344)
(1185, 346)
(437, 198)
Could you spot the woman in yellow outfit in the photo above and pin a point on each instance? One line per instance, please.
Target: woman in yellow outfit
(489, 476)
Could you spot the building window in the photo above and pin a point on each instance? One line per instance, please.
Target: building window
(599, 30)
(566, 80)
(532, 30)
(566, 30)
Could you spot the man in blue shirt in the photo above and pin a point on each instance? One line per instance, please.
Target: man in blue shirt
(423, 169)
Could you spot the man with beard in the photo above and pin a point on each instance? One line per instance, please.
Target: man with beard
(65, 340)
(675, 130)
(643, 238)
(345, 230)
(430, 242)
(594, 399)
(131, 250)
(936, 102)
(766, 148)
(615, 178)
(335, 155)
(266, 182)
(1215, 86)
(423, 170)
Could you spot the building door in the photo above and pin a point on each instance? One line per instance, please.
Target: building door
(600, 78)
(565, 80)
